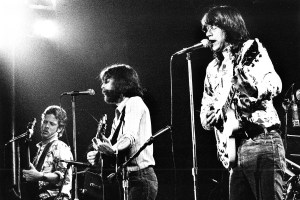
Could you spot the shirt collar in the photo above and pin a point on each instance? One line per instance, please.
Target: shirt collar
(40, 144)
(122, 104)
(227, 50)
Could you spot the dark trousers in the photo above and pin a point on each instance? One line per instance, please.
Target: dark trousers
(260, 168)
(142, 184)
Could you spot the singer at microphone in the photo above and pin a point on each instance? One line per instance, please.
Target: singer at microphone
(77, 93)
(203, 44)
(132, 124)
(240, 81)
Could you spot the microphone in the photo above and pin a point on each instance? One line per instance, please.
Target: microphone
(161, 131)
(203, 44)
(75, 163)
(93, 185)
(295, 116)
(76, 93)
(298, 94)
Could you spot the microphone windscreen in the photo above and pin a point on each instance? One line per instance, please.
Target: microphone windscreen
(298, 94)
(206, 43)
(91, 92)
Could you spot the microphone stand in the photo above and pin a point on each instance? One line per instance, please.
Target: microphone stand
(286, 105)
(122, 168)
(195, 168)
(23, 135)
(74, 146)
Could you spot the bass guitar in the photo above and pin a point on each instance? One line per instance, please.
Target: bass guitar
(30, 131)
(29, 189)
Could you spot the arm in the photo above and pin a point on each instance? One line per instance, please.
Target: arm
(54, 172)
(255, 74)
(108, 149)
(208, 113)
(133, 114)
(33, 175)
(63, 152)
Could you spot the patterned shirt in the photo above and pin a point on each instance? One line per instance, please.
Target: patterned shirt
(137, 128)
(58, 151)
(252, 73)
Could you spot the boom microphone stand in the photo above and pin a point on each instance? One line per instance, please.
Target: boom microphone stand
(122, 168)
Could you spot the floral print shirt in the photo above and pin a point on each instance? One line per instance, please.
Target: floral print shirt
(57, 151)
(252, 74)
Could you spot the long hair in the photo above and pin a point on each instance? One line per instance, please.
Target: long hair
(230, 20)
(126, 79)
(60, 114)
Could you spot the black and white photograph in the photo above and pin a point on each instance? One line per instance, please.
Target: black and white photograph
(149, 100)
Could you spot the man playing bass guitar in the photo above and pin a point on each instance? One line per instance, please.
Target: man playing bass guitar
(49, 174)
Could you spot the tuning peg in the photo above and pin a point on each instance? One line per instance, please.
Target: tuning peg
(286, 104)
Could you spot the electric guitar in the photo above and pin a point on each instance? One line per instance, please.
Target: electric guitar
(230, 124)
(226, 146)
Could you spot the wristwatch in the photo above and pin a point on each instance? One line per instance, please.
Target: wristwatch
(44, 178)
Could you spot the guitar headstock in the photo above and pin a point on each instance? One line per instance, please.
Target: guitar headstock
(101, 127)
(30, 127)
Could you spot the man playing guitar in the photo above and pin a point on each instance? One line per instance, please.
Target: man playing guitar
(46, 171)
(239, 85)
(130, 130)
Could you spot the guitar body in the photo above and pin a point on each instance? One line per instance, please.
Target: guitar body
(30, 190)
(226, 144)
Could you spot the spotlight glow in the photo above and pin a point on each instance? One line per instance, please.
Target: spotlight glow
(45, 28)
(12, 20)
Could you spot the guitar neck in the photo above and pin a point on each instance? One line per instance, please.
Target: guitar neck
(28, 156)
(30, 130)
(229, 100)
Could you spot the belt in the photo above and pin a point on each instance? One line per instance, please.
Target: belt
(255, 129)
(141, 171)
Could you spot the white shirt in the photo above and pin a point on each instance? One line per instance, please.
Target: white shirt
(137, 128)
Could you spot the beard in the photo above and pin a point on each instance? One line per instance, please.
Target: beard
(112, 96)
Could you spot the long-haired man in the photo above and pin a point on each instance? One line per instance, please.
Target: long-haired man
(130, 130)
(241, 79)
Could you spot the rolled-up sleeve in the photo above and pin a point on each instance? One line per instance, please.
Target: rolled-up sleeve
(63, 152)
(133, 115)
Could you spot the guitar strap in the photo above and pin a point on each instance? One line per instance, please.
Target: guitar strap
(42, 157)
(117, 131)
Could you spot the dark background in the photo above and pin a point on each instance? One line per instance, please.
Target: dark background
(143, 34)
